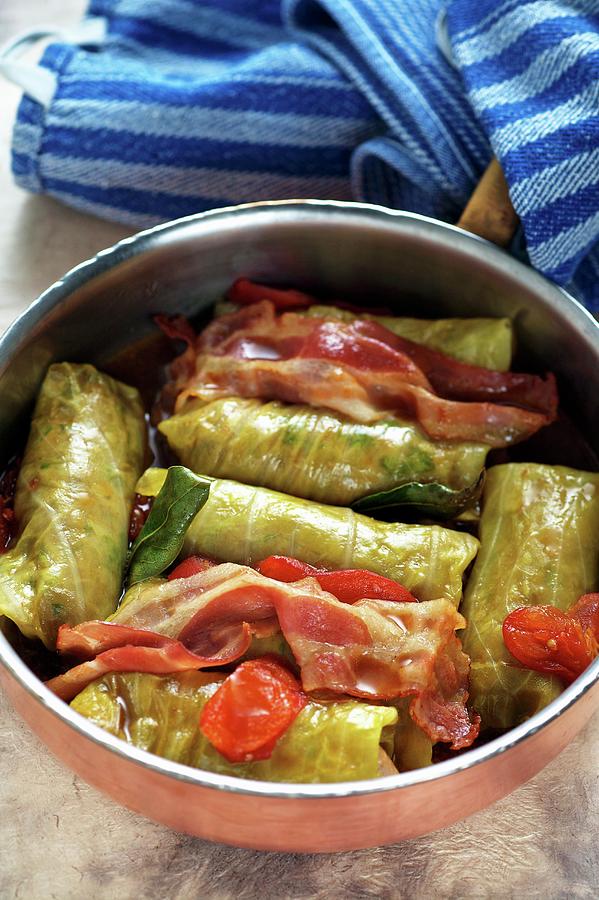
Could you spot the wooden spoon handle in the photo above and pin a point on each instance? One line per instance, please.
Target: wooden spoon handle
(489, 212)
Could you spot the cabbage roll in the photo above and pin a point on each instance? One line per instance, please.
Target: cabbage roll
(74, 492)
(327, 742)
(539, 534)
(315, 454)
(479, 342)
(245, 524)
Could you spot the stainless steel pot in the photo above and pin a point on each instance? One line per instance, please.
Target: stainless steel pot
(419, 266)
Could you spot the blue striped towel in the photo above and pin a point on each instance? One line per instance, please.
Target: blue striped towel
(185, 105)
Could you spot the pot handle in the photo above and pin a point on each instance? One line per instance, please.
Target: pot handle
(489, 212)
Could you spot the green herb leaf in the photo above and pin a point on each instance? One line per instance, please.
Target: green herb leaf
(434, 500)
(158, 544)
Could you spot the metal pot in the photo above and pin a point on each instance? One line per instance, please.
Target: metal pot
(421, 267)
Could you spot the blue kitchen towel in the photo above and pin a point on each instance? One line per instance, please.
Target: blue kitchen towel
(185, 105)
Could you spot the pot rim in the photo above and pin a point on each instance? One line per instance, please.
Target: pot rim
(146, 240)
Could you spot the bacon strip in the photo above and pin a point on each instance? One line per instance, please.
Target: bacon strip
(177, 328)
(380, 650)
(457, 380)
(157, 631)
(246, 292)
(376, 347)
(375, 649)
(360, 370)
(196, 608)
(133, 650)
(367, 398)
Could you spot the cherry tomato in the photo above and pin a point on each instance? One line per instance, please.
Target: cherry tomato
(347, 585)
(191, 566)
(548, 640)
(586, 611)
(251, 709)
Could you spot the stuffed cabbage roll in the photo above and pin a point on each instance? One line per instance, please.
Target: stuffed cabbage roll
(360, 370)
(315, 454)
(327, 742)
(244, 524)
(539, 534)
(74, 492)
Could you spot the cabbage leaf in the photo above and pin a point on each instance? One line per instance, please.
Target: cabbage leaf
(412, 748)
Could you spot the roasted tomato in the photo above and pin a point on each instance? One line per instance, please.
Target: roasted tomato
(251, 709)
(347, 585)
(191, 566)
(548, 640)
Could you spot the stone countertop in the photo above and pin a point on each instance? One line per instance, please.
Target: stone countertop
(61, 839)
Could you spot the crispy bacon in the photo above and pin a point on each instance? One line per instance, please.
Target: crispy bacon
(246, 292)
(316, 382)
(191, 609)
(457, 380)
(341, 343)
(441, 710)
(364, 397)
(376, 649)
(162, 619)
(380, 650)
(360, 370)
(177, 328)
(369, 345)
(133, 650)
(258, 325)
(257, 332)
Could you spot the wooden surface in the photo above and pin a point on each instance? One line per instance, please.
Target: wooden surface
(61, 839)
